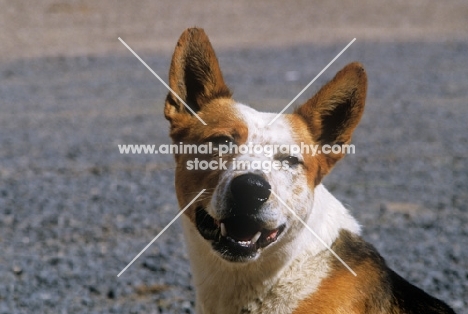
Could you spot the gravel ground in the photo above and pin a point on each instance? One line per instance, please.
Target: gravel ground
(74, 212)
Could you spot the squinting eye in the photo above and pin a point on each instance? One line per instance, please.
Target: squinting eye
(221, 140)
(292, 160)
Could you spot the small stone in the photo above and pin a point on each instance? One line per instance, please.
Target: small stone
(111, 294)
(17, 270)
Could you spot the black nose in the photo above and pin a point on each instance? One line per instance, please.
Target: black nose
(249, 192)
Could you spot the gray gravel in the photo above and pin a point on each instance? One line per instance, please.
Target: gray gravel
(74, 212)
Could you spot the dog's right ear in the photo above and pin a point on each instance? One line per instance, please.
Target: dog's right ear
(194, 75)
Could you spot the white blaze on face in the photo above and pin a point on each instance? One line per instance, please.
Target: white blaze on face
(325, 214)
(290, 182)
(262, 133)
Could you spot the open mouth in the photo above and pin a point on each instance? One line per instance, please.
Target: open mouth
(237, 238)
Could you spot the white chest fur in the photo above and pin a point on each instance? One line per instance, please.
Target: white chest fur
(272, 284)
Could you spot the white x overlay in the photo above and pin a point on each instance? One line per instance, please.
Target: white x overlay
(198, 117)
(311, 82)
(313, 232)
(162, 81)
(162, 231)
(203, 122)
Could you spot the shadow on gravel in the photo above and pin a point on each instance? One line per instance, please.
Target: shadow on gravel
(74, 212)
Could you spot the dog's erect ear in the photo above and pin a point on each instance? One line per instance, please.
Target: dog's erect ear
(334, 112)
(194, 74)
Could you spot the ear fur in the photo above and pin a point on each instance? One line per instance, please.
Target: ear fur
(194, 75)
(335, 111)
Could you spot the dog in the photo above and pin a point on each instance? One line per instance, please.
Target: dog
(248, 248)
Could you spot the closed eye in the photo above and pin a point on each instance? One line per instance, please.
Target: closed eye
(292, 160)
(218, 141)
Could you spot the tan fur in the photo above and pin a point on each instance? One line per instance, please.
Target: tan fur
(343, 99)
(342, 292)
(188, 183)
(204, 90)
(329, 298)
(194, 76)
(293, 273)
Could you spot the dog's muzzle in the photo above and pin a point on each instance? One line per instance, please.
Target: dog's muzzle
(241, 233)
(248, 193)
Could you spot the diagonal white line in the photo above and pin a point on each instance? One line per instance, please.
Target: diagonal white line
(313, 232)
(162, 231)
(161, 80)
(311, 82)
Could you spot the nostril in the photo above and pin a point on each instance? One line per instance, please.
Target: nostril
(249, 191)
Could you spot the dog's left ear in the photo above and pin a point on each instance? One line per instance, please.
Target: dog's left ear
(334, 112)
(194, 75)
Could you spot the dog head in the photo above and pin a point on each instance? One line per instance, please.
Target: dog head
(238, 214)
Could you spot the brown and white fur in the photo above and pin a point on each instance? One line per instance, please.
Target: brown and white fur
(248, 253)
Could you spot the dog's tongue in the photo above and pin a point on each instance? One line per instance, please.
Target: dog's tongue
(272, 235)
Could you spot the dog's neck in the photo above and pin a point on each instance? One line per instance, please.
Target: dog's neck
(220, 284)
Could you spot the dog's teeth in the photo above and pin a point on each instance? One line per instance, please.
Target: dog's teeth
(256, 237)
(223, 230)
